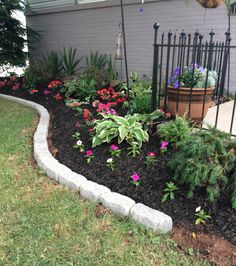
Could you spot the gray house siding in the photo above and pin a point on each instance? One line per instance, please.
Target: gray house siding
(94, 27)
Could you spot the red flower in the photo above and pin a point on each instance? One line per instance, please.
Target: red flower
(86, 114)
(54, 84)
(151, 154)
(89, 153)
(58, 97)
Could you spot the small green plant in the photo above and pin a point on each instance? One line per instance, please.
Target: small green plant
(134, 150)
(76, 135)
(125, 128)
(170, 190)
(175, 131)
(140, 95)
(69, 61)
(115, 151)
(201, 216)
(111, 164)
(79, 145)
(206, 161)
(151, 159)
(82, 88)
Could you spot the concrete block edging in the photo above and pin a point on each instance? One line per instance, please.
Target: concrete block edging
(119, 204)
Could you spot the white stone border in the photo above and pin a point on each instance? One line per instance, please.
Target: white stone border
(119, 204)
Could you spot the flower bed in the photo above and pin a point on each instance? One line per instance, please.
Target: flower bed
(139, 177)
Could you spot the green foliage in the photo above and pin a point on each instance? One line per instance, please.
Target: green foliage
(13, 34)
(175, 131)
(81, 88)
(52, 65)
(134, 150)
(170, 190)
(69, 61)
(201, 217)
(140, 95)
(206, 160)
(101, 68)
(34, 74)
(124, 128)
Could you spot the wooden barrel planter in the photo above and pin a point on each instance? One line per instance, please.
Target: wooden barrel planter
(197, 99)
(210, 3)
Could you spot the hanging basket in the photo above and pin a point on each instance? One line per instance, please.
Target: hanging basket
(210, 3)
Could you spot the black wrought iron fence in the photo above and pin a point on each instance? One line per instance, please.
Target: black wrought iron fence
(175, 54)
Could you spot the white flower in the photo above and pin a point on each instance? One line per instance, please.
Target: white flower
(110, 160)
(198, 209)
(134, 143)
(79, 143)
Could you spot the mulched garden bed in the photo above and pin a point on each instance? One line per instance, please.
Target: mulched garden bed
(153, 179)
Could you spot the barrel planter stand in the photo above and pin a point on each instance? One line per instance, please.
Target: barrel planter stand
(183, 98)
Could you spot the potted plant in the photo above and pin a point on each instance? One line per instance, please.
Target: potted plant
(210, 3)
(189, 85)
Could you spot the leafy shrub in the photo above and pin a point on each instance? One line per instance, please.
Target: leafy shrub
(206, 161)
(34, 74)
(175, 131)
(124, 128)
(140, 95)
(101, 68)
(69, 61)
(52, 65)
(82, 88)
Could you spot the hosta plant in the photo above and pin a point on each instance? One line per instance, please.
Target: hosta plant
(112, 127)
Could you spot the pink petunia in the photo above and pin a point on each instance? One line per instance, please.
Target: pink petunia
(114, 147)
(135, 177)
(89, 153)
(164, 144)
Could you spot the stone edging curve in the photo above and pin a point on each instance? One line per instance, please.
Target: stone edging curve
(119, 204)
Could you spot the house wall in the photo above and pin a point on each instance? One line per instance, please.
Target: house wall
(94, 27)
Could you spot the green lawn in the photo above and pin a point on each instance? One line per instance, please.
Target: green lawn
(41, 223)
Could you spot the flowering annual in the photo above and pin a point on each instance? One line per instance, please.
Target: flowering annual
(89, 156)
(135, 179)
(114, 150)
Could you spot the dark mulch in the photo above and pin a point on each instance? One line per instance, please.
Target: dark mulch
(153, 179)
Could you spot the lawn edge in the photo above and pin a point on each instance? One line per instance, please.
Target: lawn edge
(119, 204)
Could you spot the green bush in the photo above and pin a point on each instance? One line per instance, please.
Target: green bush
(69, 61)
(175, 131)
(34, 74)
(52, 65)
(101, 68)
(124, 128)
(81, 88)
(140, 95)
(206, 161)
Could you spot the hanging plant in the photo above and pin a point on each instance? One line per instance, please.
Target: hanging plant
(210, 3)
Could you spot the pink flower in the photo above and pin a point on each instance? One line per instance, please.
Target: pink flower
(46, 92)
(161, 110)
(151, 154)
(168, 115)
(135, 177)
(89, 153)
(114, 147)
(164, 144)
(77, 125)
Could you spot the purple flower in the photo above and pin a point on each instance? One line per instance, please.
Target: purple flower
(164, 144)
(176, 84)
